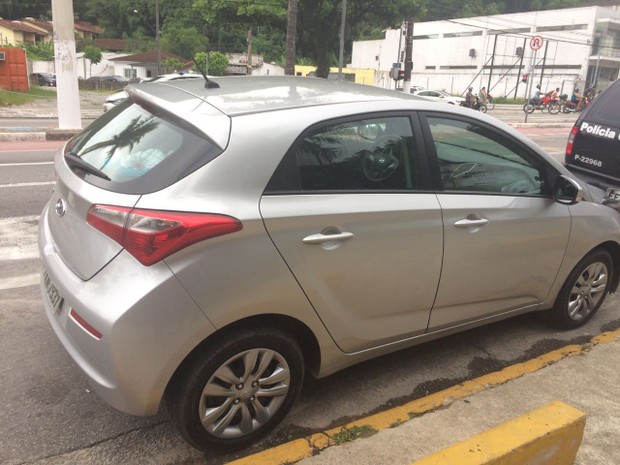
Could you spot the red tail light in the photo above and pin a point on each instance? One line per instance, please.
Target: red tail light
(152, 235)
(569, 144)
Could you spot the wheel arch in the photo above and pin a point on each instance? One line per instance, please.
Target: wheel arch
(614, 250)
(306, 339)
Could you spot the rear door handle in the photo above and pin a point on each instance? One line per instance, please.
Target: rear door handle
(467, 223)
(320, 238)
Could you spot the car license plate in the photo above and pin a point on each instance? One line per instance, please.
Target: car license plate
(613, 194)
(53, 296)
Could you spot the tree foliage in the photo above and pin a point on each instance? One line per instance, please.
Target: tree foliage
(216, 64)
(191, 26)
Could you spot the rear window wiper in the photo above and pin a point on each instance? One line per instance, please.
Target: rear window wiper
(76, 162)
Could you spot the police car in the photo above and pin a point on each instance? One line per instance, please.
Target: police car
(593, 148)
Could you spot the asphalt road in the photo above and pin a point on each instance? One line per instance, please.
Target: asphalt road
(50, 416)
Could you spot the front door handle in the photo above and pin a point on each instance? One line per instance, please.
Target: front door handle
(467, 223)
(320, 238)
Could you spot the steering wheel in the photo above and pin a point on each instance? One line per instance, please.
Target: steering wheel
(382, 161)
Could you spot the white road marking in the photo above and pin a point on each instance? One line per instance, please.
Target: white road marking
(29, 184)
(16, 282)
(34, 163)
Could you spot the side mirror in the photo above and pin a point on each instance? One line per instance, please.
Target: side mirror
(567, 191)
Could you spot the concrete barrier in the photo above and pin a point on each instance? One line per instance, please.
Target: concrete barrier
(550, 435)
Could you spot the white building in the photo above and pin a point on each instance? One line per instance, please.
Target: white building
(579, 46)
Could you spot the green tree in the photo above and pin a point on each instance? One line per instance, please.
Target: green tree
(93, 55)
(216, 65)
(183, 41)
(171, 65)
(43, 51)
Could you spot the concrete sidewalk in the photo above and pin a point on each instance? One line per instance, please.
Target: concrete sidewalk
(585, 377)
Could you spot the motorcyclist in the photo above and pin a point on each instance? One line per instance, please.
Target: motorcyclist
(470, 98)
(535, 97)
(483, 95)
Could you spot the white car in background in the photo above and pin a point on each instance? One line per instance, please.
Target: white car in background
(121, 96)
(440, 96)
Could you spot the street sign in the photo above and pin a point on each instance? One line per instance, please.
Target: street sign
(536, 42)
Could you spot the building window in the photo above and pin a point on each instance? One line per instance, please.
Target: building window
(462, 34)
(130, 73)
(566, 27)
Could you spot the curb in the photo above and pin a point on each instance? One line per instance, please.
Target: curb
(550, 435)
(299, 449)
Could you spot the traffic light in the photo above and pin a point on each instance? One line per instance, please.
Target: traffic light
(524, 78)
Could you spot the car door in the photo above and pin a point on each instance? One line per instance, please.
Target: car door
(505, 237)
(351, 213)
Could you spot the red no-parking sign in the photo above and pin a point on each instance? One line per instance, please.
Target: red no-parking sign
(536, 42)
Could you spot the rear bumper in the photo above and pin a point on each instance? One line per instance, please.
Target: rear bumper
(148, 325)
(593, 178)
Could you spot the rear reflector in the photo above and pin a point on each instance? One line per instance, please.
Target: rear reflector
(152, 235)
(84, 324)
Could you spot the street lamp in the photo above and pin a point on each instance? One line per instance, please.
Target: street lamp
(156, 31)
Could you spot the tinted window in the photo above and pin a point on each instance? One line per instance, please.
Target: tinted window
(474, 159)
(605, 107)
(139, 151)
(369, 154)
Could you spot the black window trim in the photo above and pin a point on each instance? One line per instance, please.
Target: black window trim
(419, 147)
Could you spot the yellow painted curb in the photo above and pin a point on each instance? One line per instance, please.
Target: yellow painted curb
(299, 449)
(550, 435)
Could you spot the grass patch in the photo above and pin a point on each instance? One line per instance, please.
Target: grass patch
(10, 97)
(517, 101)
(350, 434)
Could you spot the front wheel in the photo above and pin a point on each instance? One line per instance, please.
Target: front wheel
(529, 107)
(236, 389)
(583, 291)
(490, 104)
(482, 108)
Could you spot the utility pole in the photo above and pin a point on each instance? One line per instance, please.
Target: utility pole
(65, 62)
(291, 33)
(249, 67)
(408, 56)
(342, 24)
(157, 37)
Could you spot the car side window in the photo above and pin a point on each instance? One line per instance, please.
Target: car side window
(368, 154)
(475, 159)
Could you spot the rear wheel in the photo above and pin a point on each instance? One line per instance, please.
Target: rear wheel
(584, 291)
(490, 103)
(237, 389)
(554, 108)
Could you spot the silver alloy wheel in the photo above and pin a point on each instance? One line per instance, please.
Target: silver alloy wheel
(244, 393)
(588, 291)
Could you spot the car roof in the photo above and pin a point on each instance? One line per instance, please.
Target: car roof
(253, 94)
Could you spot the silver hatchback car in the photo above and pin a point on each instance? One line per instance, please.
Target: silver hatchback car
(207, 245)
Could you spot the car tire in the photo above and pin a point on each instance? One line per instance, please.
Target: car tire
(583, 291)
(246, 380)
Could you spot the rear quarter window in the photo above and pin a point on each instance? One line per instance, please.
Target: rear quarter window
(604, 108)
(139, 151)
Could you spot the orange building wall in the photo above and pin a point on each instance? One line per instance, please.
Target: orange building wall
(13, 71)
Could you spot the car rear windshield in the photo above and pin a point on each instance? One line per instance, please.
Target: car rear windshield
(134, 151)
(605, 107)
